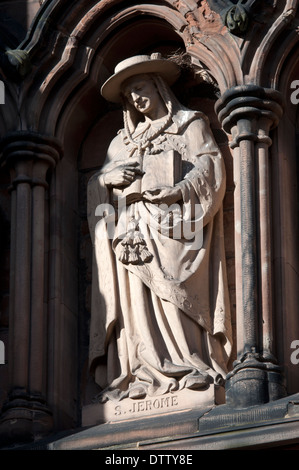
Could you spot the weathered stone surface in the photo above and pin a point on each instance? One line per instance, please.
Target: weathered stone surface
(170, 403)
(72, 52)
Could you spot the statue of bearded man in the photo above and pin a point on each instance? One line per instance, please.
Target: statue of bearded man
(160, 319)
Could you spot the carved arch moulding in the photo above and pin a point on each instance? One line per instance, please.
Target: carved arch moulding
(74, 35)
(82, 46)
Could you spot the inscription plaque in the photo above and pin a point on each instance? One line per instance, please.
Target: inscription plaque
(128, 408)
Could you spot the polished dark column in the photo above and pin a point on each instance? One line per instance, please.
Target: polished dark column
(249, 113)
(30, 157)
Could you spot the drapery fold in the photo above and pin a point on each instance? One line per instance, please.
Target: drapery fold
(163, 324)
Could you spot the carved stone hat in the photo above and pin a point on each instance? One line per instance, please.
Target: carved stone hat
(111, 90)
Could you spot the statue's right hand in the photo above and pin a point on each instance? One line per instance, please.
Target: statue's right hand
(122, 175)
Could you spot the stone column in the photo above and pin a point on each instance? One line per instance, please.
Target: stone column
(29, 157)
(248, 113)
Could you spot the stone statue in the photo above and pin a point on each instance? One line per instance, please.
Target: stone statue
(160, 319)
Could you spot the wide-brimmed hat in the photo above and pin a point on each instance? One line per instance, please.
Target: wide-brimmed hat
(154, 63)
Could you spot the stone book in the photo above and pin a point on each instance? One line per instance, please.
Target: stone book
(163, 169)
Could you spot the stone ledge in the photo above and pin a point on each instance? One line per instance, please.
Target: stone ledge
(276, 435)
(272, 425)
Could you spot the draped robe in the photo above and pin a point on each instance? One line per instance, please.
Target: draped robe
(162, 325)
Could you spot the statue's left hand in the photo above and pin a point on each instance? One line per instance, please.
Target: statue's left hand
(165, 195)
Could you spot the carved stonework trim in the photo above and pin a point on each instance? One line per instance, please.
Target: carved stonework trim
(236, 19)
(15, 64)
(235, 15)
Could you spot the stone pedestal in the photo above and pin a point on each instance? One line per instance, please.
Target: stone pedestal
(170, 403)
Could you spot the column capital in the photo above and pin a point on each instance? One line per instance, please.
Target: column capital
(22, 150)
(249, 112)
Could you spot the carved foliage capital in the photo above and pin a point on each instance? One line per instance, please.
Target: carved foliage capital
(235, 14)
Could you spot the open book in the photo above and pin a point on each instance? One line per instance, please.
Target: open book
(163, 169)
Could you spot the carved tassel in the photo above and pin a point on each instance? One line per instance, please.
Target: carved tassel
(145, 255)
(133, 256)
(124, 255)
(138, 238)
(134, 246)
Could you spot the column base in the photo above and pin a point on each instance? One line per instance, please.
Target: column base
(24, 420)
(253, 382)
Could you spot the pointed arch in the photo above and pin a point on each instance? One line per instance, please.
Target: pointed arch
(276, 44)
(82, 39)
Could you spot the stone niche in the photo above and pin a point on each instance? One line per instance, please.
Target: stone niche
(200, 94)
